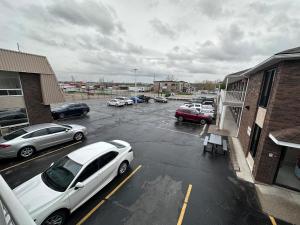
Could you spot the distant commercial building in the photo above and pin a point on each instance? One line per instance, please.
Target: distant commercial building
(27, 88)
(140, 88)
(265, 102)
(171, 86)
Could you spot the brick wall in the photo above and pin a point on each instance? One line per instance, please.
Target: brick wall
(37, 112)
(249, 115)
(282, 112)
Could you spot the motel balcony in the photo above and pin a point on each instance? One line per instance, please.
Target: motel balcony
(232, 98)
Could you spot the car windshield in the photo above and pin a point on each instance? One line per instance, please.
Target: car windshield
(14, 134)
(61, 174)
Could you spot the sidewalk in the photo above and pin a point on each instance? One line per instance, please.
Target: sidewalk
(276, 201)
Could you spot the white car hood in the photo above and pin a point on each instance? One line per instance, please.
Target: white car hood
(34, 194)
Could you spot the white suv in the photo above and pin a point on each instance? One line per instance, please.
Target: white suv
(69, 182)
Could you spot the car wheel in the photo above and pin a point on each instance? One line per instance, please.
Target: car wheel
(26, 152)
(202, 122)
(61, 116)
(84, 113)
(56, 218)
(180, 118)
(78, 136)
(123, 168)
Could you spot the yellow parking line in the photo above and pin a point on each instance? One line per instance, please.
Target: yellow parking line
(273, 221)
(108, 196)
(186, 199)
(29, 160)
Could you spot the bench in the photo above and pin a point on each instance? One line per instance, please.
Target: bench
(205, 143)
(225, 149)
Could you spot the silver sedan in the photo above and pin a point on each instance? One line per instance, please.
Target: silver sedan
(26, 141)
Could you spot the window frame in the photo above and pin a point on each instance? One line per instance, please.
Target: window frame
(64, 129)
(266, 87)
(81, 172)
(106, 163)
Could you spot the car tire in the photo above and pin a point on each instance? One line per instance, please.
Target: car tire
(123, 168)
(26, 152)
(78, 136)
(58, 218)
(180, 118)
(61, 116)
(85, 113)
(202, 121)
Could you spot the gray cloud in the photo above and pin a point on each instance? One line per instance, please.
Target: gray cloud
(86, 13)
(201, 40)
(163, 28)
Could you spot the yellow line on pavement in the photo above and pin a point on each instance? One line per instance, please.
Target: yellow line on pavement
(186, 200)
(108, 196)
(273, 221)
(41, 156)
(123, 182)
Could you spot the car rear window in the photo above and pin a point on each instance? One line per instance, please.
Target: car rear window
(118, 145)
(14, 134)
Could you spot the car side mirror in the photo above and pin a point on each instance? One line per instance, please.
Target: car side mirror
(79, 185)
(51, 164)
(67, 130)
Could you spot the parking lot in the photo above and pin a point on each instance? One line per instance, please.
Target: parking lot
(169, 172)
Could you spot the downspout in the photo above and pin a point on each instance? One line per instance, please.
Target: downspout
(242, 108)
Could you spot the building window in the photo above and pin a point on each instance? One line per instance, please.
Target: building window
(10, 84)
(255, 140)
(266, 88)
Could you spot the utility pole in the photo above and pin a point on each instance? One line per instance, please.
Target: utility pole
(135, 69)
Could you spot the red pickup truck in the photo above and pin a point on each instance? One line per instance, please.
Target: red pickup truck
(192, 115)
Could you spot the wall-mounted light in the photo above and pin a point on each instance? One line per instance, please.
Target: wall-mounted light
(247, 107)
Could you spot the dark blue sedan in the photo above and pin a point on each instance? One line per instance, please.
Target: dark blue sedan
(136, 99)
(70, 109)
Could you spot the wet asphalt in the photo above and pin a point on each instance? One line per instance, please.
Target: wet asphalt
(171, 156)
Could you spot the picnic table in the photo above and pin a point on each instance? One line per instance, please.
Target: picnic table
(216, 141)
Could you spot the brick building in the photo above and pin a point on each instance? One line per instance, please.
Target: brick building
(27, 88)
(171, 86)
(268, 97)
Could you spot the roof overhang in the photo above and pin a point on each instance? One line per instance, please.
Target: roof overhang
(286, 137)
(263, 65)
(271, 61)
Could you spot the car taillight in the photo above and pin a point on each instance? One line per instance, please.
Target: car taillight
(4, 146)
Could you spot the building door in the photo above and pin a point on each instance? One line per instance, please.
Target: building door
(288, 173)
(255, 140)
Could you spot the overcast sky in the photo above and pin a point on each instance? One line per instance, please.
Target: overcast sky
(192, 40)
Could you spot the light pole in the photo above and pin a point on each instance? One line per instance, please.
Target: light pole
(135, 99)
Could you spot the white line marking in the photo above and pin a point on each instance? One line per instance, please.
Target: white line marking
(39, 157)
(177, 131)
(203, 129)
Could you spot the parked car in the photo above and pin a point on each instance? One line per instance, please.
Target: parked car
(160, 99)
(26, 141)
(144, 98)
(11, 118)
(70, 109)
(192, 115)
(116, 102)
(208, 102)
(126, 100)
(136, 99)
(72, 180)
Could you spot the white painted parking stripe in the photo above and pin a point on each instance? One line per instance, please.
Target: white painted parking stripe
(203, 129)
(41, 156)
(176, 131)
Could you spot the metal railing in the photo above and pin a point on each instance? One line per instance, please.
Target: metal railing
(234, 97)
(12, 211)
